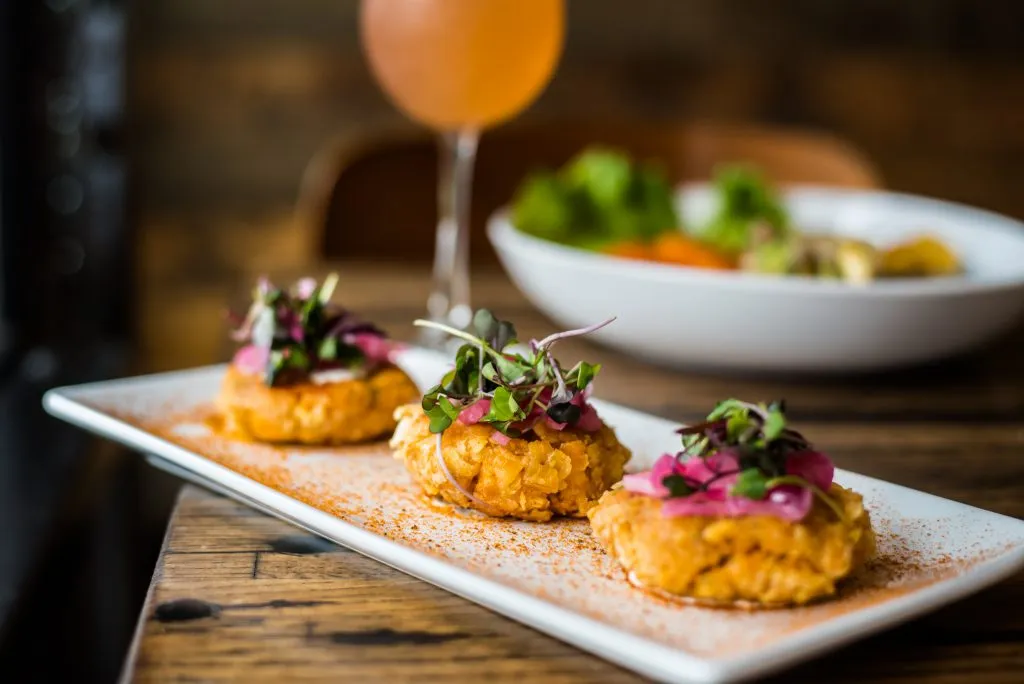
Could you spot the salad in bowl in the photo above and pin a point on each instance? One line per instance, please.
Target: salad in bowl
(735, 274)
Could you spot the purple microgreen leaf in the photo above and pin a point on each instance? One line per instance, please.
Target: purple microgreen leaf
(565, 412)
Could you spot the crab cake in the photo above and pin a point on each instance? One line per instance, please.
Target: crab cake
(510, 433)
(552, 472)
(340, 412)
(746, 514)
(310, 372)
(759, 560)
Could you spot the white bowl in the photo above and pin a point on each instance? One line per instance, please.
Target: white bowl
(683, 316)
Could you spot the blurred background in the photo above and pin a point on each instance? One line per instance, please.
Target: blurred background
(153, 154)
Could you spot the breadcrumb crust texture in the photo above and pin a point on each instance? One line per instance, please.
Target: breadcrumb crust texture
(556, 473)
(335, 413)
(759, 559)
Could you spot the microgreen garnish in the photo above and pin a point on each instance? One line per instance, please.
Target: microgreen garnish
(759, 431)
(510, 390)
(678, 486)
(296, 332)
(759, 443)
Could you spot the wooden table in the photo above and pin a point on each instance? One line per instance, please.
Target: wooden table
(240, 596)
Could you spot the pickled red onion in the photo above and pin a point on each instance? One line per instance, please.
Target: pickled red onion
(813, 466)
(375, 348)
(717, 474)
(251, 359)
(472, 414)
(786, 502)
(589, 421)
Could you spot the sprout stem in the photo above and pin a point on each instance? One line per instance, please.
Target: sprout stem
(327, 289)
(455, 332)
(551, 339)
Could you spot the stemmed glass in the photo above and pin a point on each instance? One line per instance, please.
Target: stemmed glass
(459, 66)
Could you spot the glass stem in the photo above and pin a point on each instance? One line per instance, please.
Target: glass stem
(449, 299)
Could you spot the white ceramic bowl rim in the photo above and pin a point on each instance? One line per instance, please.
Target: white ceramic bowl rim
(500, 230)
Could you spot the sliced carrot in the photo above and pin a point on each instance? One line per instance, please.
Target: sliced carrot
(675, 248)
(630, 250)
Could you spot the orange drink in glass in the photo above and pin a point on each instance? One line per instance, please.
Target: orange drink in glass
(459, 66)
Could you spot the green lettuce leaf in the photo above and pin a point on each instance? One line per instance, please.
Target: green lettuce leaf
(747, 202)
(597, 198)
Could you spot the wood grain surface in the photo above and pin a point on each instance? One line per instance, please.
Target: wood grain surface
(240, 596)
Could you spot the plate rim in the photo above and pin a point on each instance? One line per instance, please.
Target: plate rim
(629, 650)
(382, 549)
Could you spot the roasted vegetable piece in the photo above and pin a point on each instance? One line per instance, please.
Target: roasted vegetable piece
(922, 257)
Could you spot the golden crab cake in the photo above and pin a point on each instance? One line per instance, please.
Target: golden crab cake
(333, 413)
(550, 473)
(309, 371)
(751, 561)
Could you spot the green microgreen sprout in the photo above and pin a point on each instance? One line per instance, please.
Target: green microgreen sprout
(513, 390)
(519, 388)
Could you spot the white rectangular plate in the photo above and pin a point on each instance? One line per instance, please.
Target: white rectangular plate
(553, 576)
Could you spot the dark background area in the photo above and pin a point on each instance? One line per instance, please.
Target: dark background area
(152, 153)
